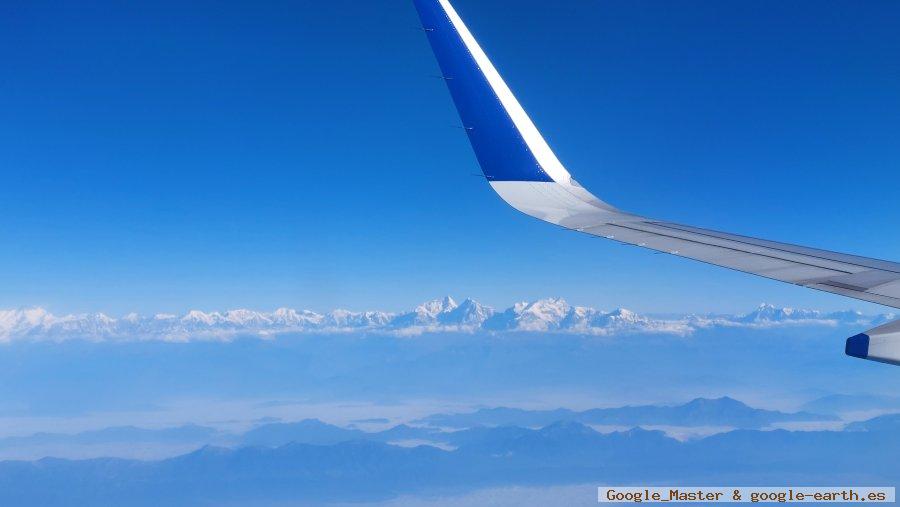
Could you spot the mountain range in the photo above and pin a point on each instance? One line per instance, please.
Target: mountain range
(361, 470)
(446, 430)
(439, 315)
(723, 411)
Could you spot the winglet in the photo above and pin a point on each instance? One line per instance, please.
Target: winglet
(506, 141)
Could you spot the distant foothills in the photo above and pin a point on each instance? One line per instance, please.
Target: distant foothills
(286, 463)
(443, 430)
(438, 315)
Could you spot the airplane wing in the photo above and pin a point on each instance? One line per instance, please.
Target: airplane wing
(520, 166)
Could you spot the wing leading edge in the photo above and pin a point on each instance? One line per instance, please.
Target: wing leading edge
(520, 166)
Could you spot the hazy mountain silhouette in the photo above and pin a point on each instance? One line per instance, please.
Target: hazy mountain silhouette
(841, 403)
(886, 423)
(313, 431)
(116, 434)
(723, 411)
(561, 453)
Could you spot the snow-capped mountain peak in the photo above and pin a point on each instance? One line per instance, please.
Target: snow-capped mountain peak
(429, 313)
(198, 317)
(467, 313)
(437, 306)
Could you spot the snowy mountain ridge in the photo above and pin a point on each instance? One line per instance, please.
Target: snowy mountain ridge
(438, 315)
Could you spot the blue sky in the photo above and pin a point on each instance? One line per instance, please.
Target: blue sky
(160, 157)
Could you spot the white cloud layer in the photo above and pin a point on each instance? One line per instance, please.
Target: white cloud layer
(439, 315)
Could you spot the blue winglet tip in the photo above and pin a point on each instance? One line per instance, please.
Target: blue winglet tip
(858, 346)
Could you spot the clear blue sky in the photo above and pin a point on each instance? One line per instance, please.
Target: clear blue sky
(160, 156)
